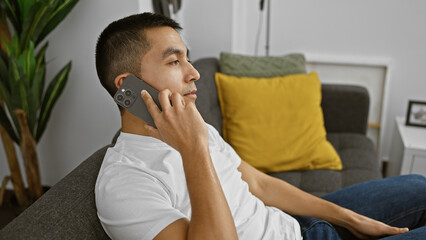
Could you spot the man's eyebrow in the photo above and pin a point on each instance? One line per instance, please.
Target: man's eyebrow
(171, 50)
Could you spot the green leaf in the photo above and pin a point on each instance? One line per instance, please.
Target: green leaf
(4, 79)
(60, 13)
(4, 93)
(7, 49)
(3, 68)
(32, 110)
(41, 63)
(7, 91)
(51, 96)
(4, 121)
(37, 85)
(35, 22)
(13, 13)
(25, 96)
(37, 92)
(13, 49)
(4, 24)
(41, 53)
(13, 105)
(18, 90)
(23, 91)
(38, 81)
(25, 6)
(28, 62)
(31, 60)
(15, 70)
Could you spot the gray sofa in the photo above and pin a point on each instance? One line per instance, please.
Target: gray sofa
(67, 210)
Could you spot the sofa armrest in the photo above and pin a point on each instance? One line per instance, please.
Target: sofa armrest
(345, 108)
(66, 211)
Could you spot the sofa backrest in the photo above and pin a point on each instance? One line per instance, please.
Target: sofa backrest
(207, 100)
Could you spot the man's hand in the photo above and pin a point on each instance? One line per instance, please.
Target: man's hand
(179, 123)
(366, 228)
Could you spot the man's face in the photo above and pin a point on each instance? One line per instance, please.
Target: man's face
(166, 64)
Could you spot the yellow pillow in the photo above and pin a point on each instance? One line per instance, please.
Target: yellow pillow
(276, 124)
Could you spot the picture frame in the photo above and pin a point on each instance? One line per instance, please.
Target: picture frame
(416, 114)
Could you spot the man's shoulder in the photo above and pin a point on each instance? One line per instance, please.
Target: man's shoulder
(214, 136)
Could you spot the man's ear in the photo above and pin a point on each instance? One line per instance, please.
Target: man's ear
(120, 79)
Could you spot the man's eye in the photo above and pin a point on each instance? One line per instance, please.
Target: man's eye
(174, 62)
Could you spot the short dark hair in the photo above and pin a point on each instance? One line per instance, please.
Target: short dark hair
(123, 43)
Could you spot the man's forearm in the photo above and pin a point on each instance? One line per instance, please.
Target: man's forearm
(294, 201)
(211, 217)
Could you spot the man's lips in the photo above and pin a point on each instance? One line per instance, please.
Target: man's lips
(191, 94)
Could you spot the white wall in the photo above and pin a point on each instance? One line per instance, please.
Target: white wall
(85, 118)
(207, 25)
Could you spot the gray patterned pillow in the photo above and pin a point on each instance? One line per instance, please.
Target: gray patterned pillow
(250, 66)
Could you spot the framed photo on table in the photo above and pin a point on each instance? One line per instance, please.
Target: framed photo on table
(416, 114)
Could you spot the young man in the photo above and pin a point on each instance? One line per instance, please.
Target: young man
(182, 181)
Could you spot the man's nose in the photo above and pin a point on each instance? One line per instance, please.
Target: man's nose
(193, 74)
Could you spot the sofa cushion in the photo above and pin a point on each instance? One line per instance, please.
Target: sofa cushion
(276, 124)
(253, 66)
(359, 165)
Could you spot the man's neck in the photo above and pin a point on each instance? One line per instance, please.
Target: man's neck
(132, 124)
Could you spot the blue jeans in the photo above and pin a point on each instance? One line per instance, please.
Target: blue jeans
(398, 201)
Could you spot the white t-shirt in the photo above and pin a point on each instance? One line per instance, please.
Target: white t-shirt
(141, 189)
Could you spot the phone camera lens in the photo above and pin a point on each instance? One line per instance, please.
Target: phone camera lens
(127, 102)
(128, 92)
(120, 97)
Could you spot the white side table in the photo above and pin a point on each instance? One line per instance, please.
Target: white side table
(408, 149)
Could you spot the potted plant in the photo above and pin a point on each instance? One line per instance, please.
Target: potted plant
(25, 102)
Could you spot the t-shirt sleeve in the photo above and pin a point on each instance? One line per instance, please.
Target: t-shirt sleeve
(232, 154)
(217, 141)
(132, 204)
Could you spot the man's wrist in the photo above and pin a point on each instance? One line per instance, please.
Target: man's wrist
(346, 218)
(338, 215)
(196, 152)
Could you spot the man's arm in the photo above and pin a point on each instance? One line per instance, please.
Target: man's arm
(277, 193)
(181, 126)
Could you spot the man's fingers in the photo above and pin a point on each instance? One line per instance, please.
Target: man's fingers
(177, 100)
(389, 230)
(150, 104)
(164, 98)
(399, 230)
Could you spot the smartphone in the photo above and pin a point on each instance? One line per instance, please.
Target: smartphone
(129, 97)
